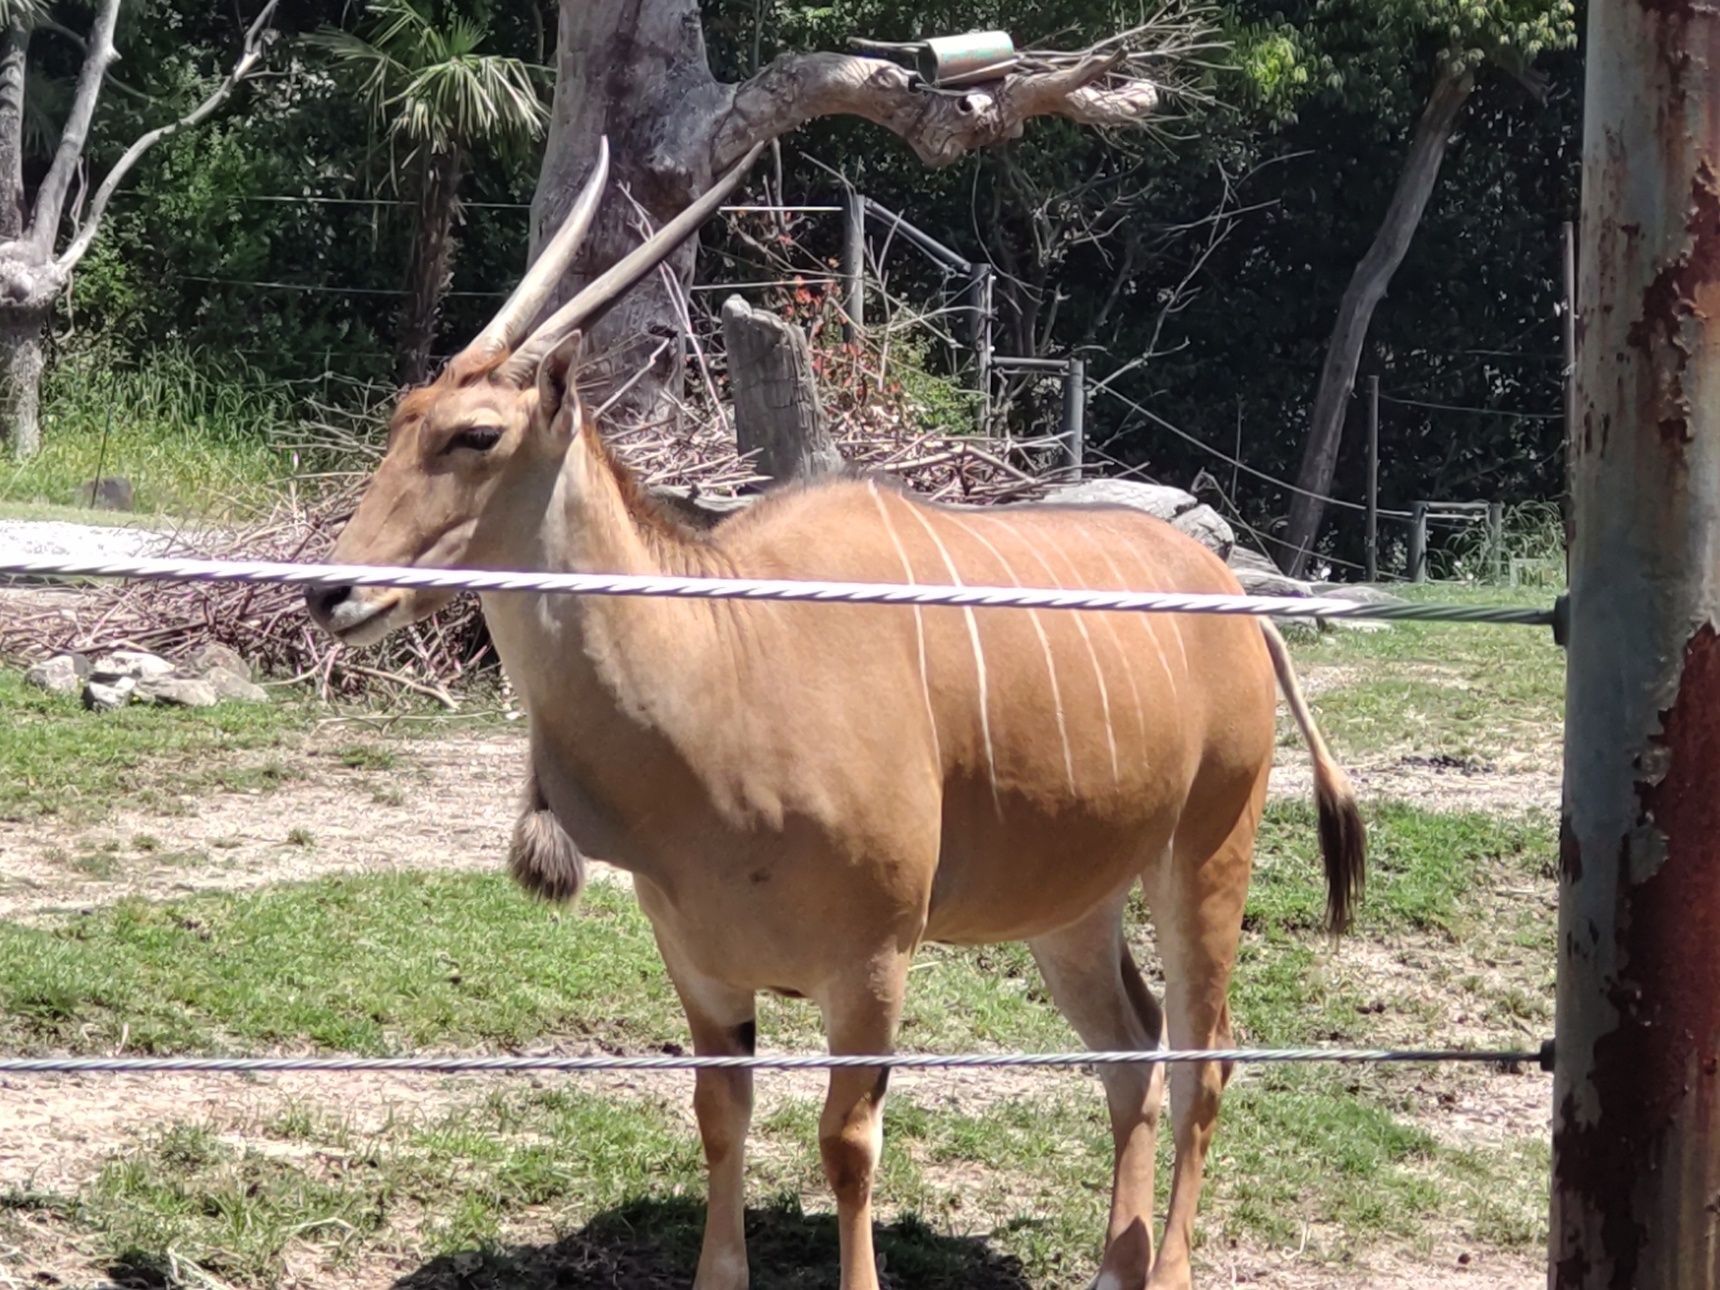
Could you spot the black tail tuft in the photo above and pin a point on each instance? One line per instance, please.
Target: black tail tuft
(1343, 846)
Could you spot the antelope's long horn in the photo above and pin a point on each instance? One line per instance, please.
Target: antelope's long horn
(597, 297)
(508, 327)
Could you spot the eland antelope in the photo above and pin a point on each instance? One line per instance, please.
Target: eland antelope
(806, 793)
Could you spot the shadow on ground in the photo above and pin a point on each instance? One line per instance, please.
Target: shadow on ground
(654, 1244)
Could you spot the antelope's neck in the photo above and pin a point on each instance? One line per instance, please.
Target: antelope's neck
(613, 686)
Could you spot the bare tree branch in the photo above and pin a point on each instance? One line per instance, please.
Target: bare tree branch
(51, 197)
(940, 126)
(249, 55)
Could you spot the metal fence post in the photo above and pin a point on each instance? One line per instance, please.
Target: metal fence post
(1074, 416)
(1418, 541)
(1496, 540)
(854, 265)
(1372, 545)
(980, 286)
(1636, 1094)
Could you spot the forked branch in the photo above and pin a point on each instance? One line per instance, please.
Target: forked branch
(250, 54)
(1113, 84)
(51, 198)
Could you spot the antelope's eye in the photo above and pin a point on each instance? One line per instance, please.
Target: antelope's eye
(477, 438)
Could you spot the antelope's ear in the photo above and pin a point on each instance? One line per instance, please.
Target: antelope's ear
(558, 399)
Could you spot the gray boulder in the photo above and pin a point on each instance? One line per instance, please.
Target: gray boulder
(229, 687)
(106, 694)
(137, 664)
(1181, 510)
(1361, 592)
(108, 493)
(61, 674)
(177, 692)
(214, 656)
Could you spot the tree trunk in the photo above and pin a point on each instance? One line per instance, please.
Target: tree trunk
(14, 53)
(636, 71)
(21, 335)
(777, 415)
(438, 202)
(1356, 310)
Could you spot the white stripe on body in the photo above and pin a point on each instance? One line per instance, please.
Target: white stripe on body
(1147, 627)
(978, 657)
(1092, 654)
(1044, 645)
(919, 620)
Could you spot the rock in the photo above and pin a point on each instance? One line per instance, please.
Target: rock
(1181, 510)
(135, 663)
(106, 695)
(1207, 527)
(177, 692)
(108, 493)
(1361, 592)
(1241, 557)
(1258, 582)
(61, 674)
(231, 687)
(214, 656)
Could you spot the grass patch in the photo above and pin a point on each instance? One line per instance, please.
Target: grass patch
(391, 962)
(1461, 691)
(195, 442)
(562, 1186)
(57, 759)
(515, 1185)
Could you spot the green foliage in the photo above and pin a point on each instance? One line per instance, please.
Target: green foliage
(194, 435)
(429, 82)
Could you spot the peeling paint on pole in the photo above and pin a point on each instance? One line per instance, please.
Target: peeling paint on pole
(1636, 1116)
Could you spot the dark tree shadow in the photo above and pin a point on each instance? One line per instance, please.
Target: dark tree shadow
(654, 1245)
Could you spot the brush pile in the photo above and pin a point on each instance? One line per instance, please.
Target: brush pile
(875, 423)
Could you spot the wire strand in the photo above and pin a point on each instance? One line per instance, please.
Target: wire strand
(770, 589)
(453, 1065)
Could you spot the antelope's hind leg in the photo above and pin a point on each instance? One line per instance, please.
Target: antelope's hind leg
(1096, 985)
(1197, 899)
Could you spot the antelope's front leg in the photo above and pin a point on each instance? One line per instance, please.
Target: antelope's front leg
(721, 1020)
(860, 1019)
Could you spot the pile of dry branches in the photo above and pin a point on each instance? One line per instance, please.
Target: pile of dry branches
(875, 423)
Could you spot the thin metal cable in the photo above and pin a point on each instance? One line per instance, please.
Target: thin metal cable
(1243, 466)
(883, 593)
(664, 1062)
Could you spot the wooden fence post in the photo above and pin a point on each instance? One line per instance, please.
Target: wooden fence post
(1636, 1097)
(777, 415)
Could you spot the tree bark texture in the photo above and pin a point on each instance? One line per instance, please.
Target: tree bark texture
(777, 413)
(636, 71)
(21, 334)
(1356, 311)
(14, 55)
(432, 261)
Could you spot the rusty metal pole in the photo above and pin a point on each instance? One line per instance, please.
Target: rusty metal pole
(1636, 1114)
(1569, 336)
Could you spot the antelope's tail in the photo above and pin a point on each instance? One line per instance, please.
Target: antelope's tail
(1343, 836)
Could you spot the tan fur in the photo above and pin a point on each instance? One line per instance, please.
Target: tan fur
(804, 794)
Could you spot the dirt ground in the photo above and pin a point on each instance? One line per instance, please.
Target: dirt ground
(448, 804)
